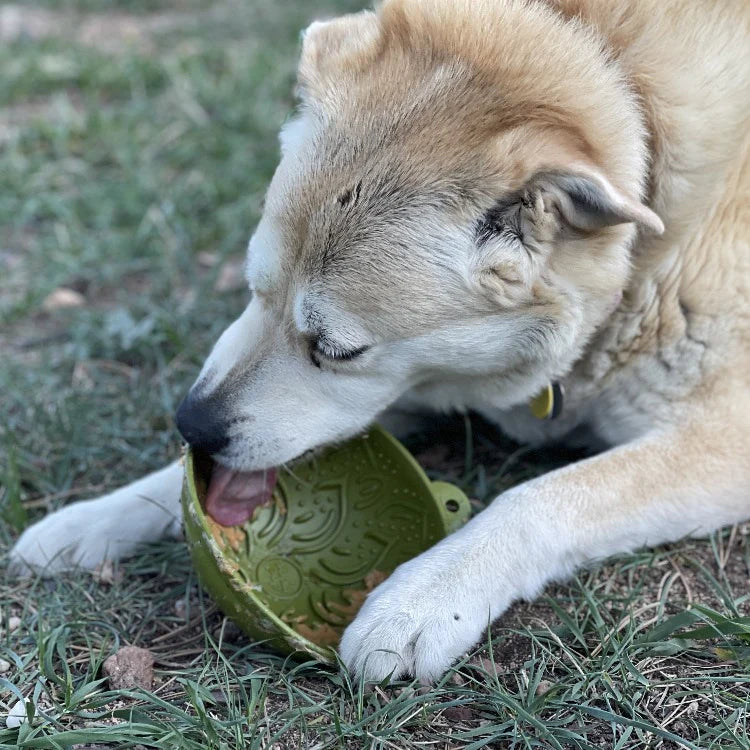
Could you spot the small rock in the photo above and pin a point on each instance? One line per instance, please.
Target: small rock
(457, 679)
(105, 573)
(228, 632)
(219, 696)
(180, 608)
(61, 298)
(4, 666)
(484, 664)
(186, 301)
(130, 667)
(81, 377)
(543, 687)
(13, 623)
(17, 715)
(207, 259)
(231, 276)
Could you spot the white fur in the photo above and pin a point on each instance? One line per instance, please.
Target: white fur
(86, 533)
(295, 133)
(262, 268)
(244, 333)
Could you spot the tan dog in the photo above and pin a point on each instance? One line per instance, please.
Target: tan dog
(478, 199)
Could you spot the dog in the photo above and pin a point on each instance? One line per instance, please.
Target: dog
(479, 202)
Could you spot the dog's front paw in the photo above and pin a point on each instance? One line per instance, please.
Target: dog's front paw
(84, 534)
(76, 536)
(417, 622)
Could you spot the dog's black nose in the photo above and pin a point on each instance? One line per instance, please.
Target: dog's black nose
(202, 424)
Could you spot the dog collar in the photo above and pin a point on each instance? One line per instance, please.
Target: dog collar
(548, 403)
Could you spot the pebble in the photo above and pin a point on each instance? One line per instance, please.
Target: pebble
(207, 259)
(543, 687)
(130, 667)
(180, 608)
(457, 679)
(4, 666)
(14, 623)
(63, 298)
(459, 714)
(16, 715)
(228, 632)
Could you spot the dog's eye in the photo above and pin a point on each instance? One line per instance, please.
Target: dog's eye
(325, 350)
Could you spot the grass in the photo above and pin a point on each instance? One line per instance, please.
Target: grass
(133, 174)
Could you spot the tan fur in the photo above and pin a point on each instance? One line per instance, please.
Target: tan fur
(695, 108)
(655, 96)
(530, 86)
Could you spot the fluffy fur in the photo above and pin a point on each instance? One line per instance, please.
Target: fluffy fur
(477, 198)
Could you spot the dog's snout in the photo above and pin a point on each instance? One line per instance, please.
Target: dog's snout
(202, 424)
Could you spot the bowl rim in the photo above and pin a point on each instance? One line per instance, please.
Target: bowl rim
(438, 490)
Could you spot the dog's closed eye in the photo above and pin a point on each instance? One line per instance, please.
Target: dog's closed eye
(327, 350)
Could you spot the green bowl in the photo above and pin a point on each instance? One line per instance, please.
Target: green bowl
(297, 572)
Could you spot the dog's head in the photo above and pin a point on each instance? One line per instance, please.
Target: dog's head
(452, 215)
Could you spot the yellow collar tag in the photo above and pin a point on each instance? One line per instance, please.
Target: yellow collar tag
(547, 404)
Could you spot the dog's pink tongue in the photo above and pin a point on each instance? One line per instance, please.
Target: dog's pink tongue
(233, 496)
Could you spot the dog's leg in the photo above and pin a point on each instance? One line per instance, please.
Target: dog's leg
(662, 487)
(85, 533)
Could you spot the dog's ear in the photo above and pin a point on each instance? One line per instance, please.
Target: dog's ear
(330, 47)
(517, 236)
(587, 201)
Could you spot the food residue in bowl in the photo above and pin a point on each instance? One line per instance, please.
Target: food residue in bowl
(234, 536)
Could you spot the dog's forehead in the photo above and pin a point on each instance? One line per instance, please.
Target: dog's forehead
(336, 199)
(358, 215)
(358, 272)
